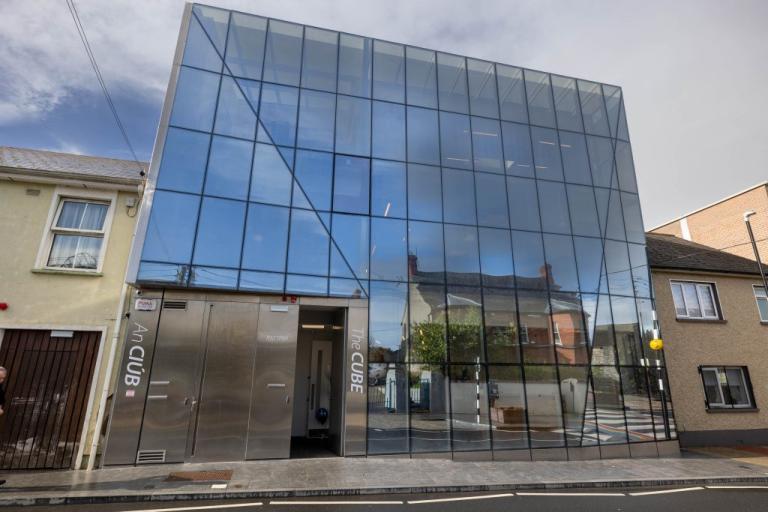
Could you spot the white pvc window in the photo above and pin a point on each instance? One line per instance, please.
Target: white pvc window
(695, 300)
(762, 302)
(77, 234)
(727, 387)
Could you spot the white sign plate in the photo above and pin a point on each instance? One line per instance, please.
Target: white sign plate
(145, 304)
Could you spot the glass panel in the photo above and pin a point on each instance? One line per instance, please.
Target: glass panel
(611, 424)
(424, 193)
(535, 327)
(546, 154)
(388, 320)
(421, 73)
(199, 52)
(430, 431)
(184, 158)
(459, 201)
(573, 148)
(625, 167)
(712, 386)
(207, 277)
(428, 317)
(388, 189)
(261, 281)
(308, 249)
(518, 160)
(486, 145)
(388, 404)
(501, 332)
(426, 261)
(456, 144)
(609, 212)
(613, 107)
(162, 273)
(554, 207)
(452, 81)
(561, 264)
(637, 406)
(482, 89)
(628, 341)
(389, 258)
(762, 304)
(545, 414)
(496, 257)
(523, 204)
(581, 204)
(316, 118)
(350, 232)
(72, 251)
(539, 96)
(677, 296)
(235, 114)
(566, 103)
(737, 388)
(314, 172)
(71, 214)
(603, 341)
(639, 263)
(589, 257)
(465, 324)
(617, 265)
(355, 65)
(707, 301)
(271, 180)
(633, 219)
(578, 406)
(423, 145)
(214, 21)
(245, 49)
(601, 158)
(171, 230)
(491, 200)
(691, 300)
(506, 391)
(512, 94)
(94, 216)
(351, 288)
(462, 261)
(320, 51)
(351, 183)
(266, 238)
(353, 126)
(593, 108)
(529, 260)
(663, 418)
(308, 285)
(229, 168)
(388, 72)
(195, 100)
(219, 233)
(388, 131)
(277, 115)
(282, 59)
(469, 408)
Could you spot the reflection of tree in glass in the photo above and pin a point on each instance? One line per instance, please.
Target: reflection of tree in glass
(428, 342)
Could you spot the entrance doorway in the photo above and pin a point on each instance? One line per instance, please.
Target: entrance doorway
(317, 408)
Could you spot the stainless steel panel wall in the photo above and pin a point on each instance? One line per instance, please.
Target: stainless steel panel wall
(269, 432)
(131, 389)
(174, 380)
(225, 395)
(356, 382)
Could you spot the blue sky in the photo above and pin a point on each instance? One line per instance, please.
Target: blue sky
(693, 72)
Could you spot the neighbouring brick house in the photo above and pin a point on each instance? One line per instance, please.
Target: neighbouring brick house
(721, 224)
(713, 314)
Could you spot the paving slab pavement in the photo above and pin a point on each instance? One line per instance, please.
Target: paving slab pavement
(375, 475)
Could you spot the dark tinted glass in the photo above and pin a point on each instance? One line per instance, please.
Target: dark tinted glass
(501, 329)
(633, 219)
(491, 200)
(536, 337)
(554, 207)
(388, 189)
(388, 404)
(506, 389)
(628, 341)
(219, 233)
(512, 94)
(282, 59)
(388, 322)
(320, 52)
(496, 257)
(483, 100)
(266, 238)
(353, 126)
(350, 184)
(389, 260)
(601, 159)
(245, 48)
(424, 193)
(573, 148)
(589, 255)
(426, 259)
(171, 230)
(452, 81)
(523, 203)
(388, 72)
(486, 145)
(566, 103)
(430, 406)
(546, 414)
(458, 200)
(539, 93)
(593, 107)
(581, 202)
(456, 144)
(184, 159)
(462, 261)
(316, 119)
(423, 144)
(639, 262)
(518, 160)
(422, 76)
(229, 167)
(469, 412)
(625, 167)
(355, 65)
(277, 115)
(388, 131)
(561, 263)
(530, 268)
(610, 405)
(617, 266)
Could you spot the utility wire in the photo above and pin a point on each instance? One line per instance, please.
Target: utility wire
(102, 83)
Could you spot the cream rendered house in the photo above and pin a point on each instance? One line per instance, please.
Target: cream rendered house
(66, 224)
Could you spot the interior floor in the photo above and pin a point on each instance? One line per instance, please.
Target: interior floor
(306, 448)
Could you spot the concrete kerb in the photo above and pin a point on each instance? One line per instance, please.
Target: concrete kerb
(160, 497)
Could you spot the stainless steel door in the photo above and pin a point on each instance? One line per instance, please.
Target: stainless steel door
(221, 425)
(320, 367)
(269, 432)
(174, 381)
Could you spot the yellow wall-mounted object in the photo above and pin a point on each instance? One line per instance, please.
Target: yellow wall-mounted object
(656, 344)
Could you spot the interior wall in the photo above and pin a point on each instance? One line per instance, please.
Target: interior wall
(337, 383)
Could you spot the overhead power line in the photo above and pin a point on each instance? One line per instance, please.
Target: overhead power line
(81, 32)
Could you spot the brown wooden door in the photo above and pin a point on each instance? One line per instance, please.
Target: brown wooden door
(46, 391)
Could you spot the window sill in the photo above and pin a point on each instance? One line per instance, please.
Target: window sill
(63, 272)
(763, 322)
(735, 409)
(702, 320)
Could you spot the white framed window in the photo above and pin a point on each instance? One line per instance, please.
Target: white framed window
(77, 230)
(695, 300)
(762, 302)
(727, 387)
(524, 334)
(556, 334)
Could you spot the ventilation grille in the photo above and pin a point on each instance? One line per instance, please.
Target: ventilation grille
(175, 304)
(150, 456)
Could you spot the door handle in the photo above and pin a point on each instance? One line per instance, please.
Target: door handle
(287, 399)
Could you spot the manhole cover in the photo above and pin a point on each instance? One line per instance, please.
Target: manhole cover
(200, 476)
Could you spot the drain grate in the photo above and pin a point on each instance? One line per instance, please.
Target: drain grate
(216, 475)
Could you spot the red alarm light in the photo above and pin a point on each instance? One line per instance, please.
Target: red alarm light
(3, 306)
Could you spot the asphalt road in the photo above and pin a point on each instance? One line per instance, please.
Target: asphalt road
(731, 497)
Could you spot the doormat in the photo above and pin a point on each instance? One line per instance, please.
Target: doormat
(217, 475)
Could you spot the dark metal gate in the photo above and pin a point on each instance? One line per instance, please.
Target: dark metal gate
(49, 378)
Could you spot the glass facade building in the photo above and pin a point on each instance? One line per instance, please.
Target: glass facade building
(487, 214)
